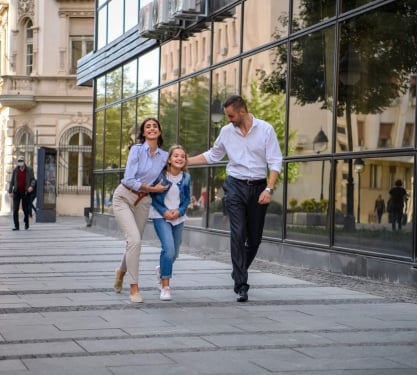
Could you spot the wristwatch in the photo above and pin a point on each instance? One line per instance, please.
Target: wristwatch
(269, 190)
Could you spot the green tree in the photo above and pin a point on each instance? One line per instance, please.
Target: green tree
(271, 108)
(381, 40)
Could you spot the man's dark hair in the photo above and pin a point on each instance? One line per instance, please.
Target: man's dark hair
(236, 102)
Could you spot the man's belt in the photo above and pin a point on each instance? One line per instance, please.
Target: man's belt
(250, 182)
(140, 194)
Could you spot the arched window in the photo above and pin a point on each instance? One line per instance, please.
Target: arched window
(25, 144)
(75, 157)
(29, 47)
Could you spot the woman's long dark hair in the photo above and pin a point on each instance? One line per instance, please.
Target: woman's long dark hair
(141, 137)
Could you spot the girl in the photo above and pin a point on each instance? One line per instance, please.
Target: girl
(168, 214)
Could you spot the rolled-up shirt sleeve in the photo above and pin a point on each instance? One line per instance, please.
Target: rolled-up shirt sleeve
(273, 152)
(131, 179)
(217, 152)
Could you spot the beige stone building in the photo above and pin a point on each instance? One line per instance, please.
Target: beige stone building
(40, 103)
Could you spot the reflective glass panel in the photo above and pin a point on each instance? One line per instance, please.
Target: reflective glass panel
(131, 13)
(99, 139)
(347, 5)
(307, 218)
(115, 24)
(129, 78)
(148, 75)
(111, 181)
(98, 193)
(225, 81)
(262, 102)
(100, 91)
(311, 93)
(168, 114)
(274, 214)
(114, 86)
(170, 61)
(308, 13)
(226, 35)
(101, 34)
(197, 209)
(272, 15)
(194, 114)
(112, 138)
(128, 129)
(196, 52)
(147, 106)
(359, 183)
(213, 195)
(376, 74)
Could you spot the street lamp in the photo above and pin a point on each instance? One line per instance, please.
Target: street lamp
(350, 72)
(359, 165)
(320, 142)
(217, 112)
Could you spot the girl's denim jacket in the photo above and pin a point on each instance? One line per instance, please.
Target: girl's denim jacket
(158, 199)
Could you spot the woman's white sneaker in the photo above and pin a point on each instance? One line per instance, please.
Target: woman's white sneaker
(165, 294)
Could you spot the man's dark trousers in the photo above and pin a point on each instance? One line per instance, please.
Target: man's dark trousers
(246, 218)
(17, 198)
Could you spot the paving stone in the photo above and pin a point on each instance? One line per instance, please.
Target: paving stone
(60, 315)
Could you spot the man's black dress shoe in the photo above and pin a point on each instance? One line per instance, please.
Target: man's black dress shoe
(27, 226)
(15, 229)
(242, 295)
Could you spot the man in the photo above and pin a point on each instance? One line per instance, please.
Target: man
(252, 147)
(21, 185)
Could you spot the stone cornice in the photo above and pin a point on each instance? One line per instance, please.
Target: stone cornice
(76, 13)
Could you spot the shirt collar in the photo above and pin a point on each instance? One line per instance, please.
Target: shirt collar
(147, 148)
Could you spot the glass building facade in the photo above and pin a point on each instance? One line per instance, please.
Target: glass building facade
(336, 79)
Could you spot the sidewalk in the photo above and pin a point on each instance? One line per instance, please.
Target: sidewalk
(59, 315)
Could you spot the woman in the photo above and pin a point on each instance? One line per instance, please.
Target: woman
(131, 200)
(168, 214)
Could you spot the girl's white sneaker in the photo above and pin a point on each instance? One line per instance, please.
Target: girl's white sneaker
(165, 294)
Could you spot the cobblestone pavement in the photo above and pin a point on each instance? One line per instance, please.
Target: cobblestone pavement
(389, 290)
(60, 315)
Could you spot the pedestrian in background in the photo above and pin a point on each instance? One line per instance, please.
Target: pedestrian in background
(21, 186)
(398, 197)
(131, 200)
(379, 207)
(168, 213)
(252, 147)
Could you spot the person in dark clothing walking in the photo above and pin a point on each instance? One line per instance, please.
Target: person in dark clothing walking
(398, 197)
(379, 207)
(21, 186)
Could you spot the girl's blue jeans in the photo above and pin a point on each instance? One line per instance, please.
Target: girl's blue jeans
(170, 237)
